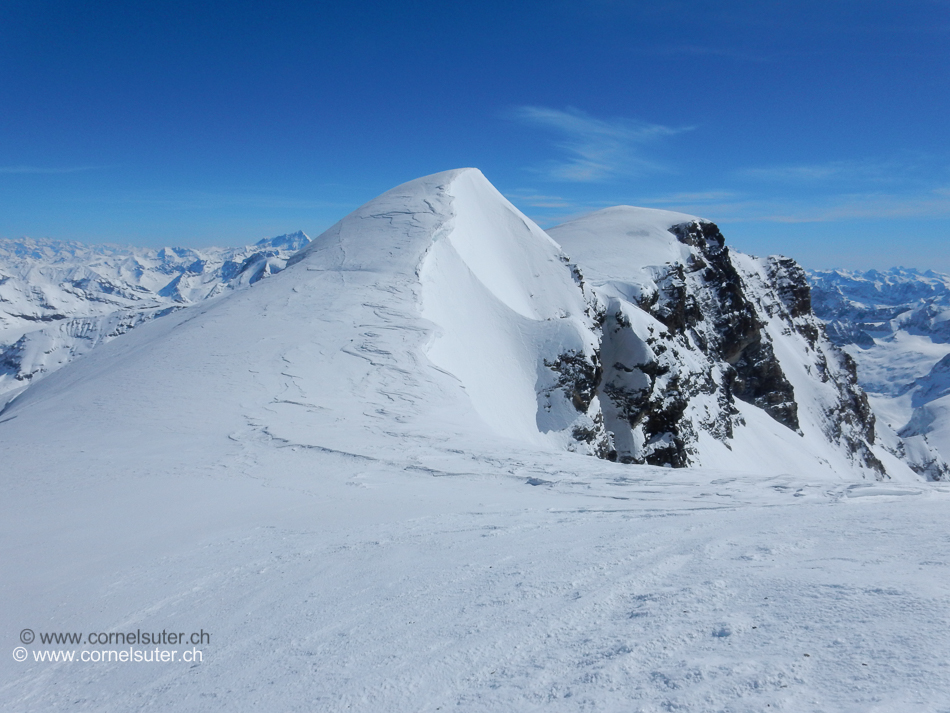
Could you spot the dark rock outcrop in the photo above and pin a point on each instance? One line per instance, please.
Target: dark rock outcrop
(684, 342)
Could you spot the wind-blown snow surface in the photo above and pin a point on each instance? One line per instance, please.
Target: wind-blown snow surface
(286, 468)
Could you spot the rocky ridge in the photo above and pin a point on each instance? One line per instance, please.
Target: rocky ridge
(685, 340)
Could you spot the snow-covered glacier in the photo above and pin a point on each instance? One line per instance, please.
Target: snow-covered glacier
(441, 458)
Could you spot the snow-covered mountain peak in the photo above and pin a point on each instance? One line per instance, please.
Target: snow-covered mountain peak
(291, 241)
(609, 241)
(389, 234)
(504, 308)
(439, 313)
(507, 252)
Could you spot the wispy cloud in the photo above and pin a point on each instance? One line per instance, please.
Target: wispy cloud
(597, 149)
(38, 170)
(933, 204)
(868, 171)
(699, 197)
(910, 185)
(703, 51)
(539, 200)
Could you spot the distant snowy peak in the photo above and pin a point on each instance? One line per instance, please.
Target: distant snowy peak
(926, 434)
(147, 269)
(291, 241)
(894, 287)
(896, 325)
(935, 385)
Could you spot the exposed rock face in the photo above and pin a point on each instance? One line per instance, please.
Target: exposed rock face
(737, 335)
(707, 344)
(578, 375)
(643, 394)
(690, 331)
(849, 418)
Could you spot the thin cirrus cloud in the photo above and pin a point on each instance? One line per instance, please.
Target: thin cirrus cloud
(539, 200)
(934, 203)
(700, 197)
(931, 204)
(701, 51)
(908, 168)
(908, 186)
(43, 170)
(596, 149)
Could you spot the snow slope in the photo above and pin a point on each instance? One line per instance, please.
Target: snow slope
(295, 469)
(505, 303)
(340, 585)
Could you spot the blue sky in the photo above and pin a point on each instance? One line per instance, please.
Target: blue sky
(814, 129)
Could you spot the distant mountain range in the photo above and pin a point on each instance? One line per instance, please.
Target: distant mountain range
(58, 299)
(896, 326)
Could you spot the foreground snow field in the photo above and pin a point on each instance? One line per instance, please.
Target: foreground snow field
(363, 478)
(334, 584)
